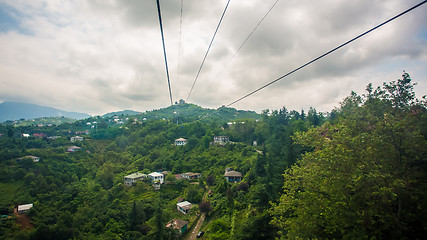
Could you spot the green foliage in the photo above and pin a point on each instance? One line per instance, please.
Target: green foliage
(366, 174)
(357, 172)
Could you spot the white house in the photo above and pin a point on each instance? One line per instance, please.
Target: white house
(221, 140)
(34, 158)
(24, 208)
(76, 138)
(180, 141)
(133, 178)
(184, 207)
(156, 177)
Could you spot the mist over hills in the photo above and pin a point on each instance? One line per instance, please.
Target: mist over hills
(16, 110)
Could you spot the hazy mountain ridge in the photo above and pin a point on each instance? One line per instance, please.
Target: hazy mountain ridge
(16, 110)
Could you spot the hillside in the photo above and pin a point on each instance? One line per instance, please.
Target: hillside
(289, 175)
(15, 111)
(191, 112)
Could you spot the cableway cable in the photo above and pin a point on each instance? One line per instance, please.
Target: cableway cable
(164, 50)
(247, 38)
(210, 44)
(325, 54)
(179, 50)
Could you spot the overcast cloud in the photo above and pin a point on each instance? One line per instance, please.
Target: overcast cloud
(100, 56)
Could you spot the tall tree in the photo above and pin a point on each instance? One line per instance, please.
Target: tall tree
(366, 176)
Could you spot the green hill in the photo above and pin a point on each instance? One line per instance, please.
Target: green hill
(191, 112)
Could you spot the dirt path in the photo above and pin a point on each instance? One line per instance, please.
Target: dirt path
(196, 229)
(193, 234)
(24, 221)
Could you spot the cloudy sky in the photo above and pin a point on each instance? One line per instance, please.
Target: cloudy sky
(98, 56)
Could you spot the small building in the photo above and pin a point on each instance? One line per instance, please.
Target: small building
(34, 158)
(191, 175)
(179, 225)
(184, 207)
(73, 149)
(233, 176)
(221, 140)
(24, 208)
(156, 177)
(76, 138)
(53, 137)
(180, 142)
(25, 135)
(39, 135)
(133, 178)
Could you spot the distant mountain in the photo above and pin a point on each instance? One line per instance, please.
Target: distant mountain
(120, 113)
(15, 111)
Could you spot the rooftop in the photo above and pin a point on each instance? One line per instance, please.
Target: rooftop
(136, 175)
(184, 205)
(233, 174)
(25, 207)
(155, 174)
(177, 223)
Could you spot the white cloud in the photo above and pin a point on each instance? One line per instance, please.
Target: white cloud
(101, 56)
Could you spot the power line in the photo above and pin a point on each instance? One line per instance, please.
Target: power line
(164, 50)
(247, 38)
(331, 51)
(210, 44)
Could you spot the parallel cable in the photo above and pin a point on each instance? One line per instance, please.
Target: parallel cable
(179, 62)
(179, 49)
(164, 50)
(210, 44)
(247, 38)
(323, 55)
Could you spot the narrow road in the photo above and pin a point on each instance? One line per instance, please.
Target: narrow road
(193, 234)
(196, 229)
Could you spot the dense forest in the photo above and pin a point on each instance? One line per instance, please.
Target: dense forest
(357, 172)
